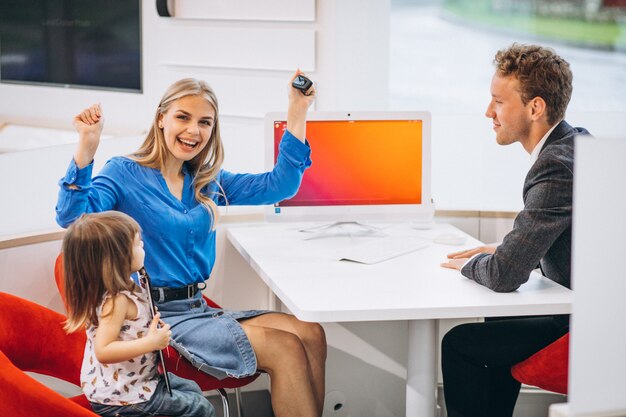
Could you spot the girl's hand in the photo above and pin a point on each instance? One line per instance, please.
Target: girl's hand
(298, 106)
(88, 124)
(159, 333)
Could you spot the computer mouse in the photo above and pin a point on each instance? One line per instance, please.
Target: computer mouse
(450, 239)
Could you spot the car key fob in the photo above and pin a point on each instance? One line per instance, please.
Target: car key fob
(302, 83)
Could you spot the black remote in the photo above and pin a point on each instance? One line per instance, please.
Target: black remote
(302, 83)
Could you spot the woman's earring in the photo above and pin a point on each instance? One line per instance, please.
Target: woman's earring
(160, 125)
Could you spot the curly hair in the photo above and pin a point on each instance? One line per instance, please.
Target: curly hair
(541, 73)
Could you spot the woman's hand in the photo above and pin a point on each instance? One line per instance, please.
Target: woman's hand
(299, 103)
(88, 124)
(159, 333)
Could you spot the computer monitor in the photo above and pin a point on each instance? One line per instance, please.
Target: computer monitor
(367, 167)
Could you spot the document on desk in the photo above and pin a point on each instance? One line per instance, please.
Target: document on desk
(381, 249)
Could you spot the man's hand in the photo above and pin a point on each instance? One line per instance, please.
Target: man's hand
(468, 253)
(455, 263)
(456, 260)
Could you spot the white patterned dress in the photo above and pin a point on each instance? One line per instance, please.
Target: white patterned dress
(130, 382)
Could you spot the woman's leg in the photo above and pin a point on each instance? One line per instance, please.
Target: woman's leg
(290, 350)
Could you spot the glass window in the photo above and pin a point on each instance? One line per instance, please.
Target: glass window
(441, 60)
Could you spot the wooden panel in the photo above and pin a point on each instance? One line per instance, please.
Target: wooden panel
(24, 239)
(249, 48)
(275, 10)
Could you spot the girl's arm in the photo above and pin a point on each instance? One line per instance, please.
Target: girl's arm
(109, 349)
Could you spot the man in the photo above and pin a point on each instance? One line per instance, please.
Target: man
(530, 91)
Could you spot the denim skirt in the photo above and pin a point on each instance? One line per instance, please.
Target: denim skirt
(210, 338)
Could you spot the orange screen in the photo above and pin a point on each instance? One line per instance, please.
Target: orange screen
(361, 162)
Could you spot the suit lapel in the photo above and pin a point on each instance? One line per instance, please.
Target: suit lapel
(560, 131)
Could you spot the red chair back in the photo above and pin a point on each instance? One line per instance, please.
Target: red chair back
(33, 339)
(546, 369)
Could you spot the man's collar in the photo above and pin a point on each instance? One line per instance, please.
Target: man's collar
(535, 153)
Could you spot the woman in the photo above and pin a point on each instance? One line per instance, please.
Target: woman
(171, 187)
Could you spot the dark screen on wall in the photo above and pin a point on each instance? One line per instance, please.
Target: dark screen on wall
(71, 43)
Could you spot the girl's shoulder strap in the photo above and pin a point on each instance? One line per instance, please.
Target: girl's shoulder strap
(139, 299)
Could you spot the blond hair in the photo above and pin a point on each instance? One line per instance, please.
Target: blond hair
(97, 259)
(206, 165)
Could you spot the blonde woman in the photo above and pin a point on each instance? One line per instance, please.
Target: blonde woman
(172, 186)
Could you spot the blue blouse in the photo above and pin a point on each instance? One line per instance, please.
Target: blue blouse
(177, 235)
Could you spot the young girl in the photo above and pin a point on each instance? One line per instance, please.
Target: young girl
(172, 186)
(119, 372)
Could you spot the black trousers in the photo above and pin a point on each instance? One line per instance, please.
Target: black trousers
(476, 360)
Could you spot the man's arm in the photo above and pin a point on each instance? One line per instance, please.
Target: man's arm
(457, 260)
(546, 215)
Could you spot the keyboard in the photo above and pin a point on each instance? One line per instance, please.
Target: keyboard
(382, 249)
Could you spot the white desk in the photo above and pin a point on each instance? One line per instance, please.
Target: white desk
(315, 286)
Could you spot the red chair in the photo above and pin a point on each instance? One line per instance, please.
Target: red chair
(32, 339)
(180, 366)
(546, 369)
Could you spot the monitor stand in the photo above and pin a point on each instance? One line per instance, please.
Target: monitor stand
(340, 229)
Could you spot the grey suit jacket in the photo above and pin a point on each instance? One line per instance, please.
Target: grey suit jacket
(542, 231)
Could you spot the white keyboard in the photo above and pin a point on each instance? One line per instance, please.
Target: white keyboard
(382, 249)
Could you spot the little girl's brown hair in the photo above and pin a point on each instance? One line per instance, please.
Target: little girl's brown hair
(97, 258)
